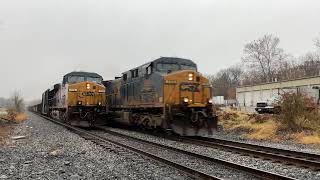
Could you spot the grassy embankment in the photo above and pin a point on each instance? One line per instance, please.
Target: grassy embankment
(265, 127)
(299, 121)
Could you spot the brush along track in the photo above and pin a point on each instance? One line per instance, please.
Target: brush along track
(288, 157)
(245, 169)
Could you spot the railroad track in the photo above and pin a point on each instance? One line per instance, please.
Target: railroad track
(192, 172)
(256, 172)
(287, 157)
(102, 141)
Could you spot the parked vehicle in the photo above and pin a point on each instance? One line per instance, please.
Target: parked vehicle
(269, 106)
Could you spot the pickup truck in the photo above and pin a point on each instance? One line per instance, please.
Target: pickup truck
(269, 106)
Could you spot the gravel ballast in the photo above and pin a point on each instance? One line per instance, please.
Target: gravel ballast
(288, 145)
(207, 167)
(278, 168)
(49, 151)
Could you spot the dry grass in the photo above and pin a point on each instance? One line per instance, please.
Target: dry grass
(16, 117)
(263, 131)
(7, 126)
(20, 117)
(260, 127)
(231, 119)
(4, 133)
(263, 127)
(305, 138)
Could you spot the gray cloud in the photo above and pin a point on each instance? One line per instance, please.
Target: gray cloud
(40, 40)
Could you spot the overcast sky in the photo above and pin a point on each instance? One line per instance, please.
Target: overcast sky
(41, 40)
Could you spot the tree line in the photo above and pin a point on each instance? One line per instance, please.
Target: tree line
(265, 61)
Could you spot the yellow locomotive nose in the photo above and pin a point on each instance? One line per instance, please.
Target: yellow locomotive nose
(86, 94)
(189, 88)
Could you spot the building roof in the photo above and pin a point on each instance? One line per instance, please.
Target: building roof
(306, 81)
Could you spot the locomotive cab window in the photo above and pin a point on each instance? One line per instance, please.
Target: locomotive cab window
(78, 79)
(134, 73)
(95, 80)
(75, 79)
(188, 67)
(125, 77)
(167, 68)
(149, 70)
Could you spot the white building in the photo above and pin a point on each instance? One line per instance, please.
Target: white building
(248, 96)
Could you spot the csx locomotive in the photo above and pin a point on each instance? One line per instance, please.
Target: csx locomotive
(79, 100)
(167, 93)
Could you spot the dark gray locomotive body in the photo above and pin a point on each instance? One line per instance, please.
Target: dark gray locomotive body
(167, 93)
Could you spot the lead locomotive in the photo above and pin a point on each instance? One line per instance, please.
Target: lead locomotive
(167, 93)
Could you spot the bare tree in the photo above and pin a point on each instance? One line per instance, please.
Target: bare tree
(18, 101)
(224, 83)
(311, 64)
(264, 55)
(317, 42)
(235, 74)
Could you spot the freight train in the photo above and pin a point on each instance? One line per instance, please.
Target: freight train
(79, 100)
(167, 93)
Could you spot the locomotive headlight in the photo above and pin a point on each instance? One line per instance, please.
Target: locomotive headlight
(88, 86)
(190, 77)
(185, 100)
(73, 90)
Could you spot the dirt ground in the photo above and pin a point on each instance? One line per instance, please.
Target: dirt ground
(8, 124)
(5, 131)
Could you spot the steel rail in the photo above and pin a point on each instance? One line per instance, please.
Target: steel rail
(249, 170)
(93, 137)
(288, 157)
